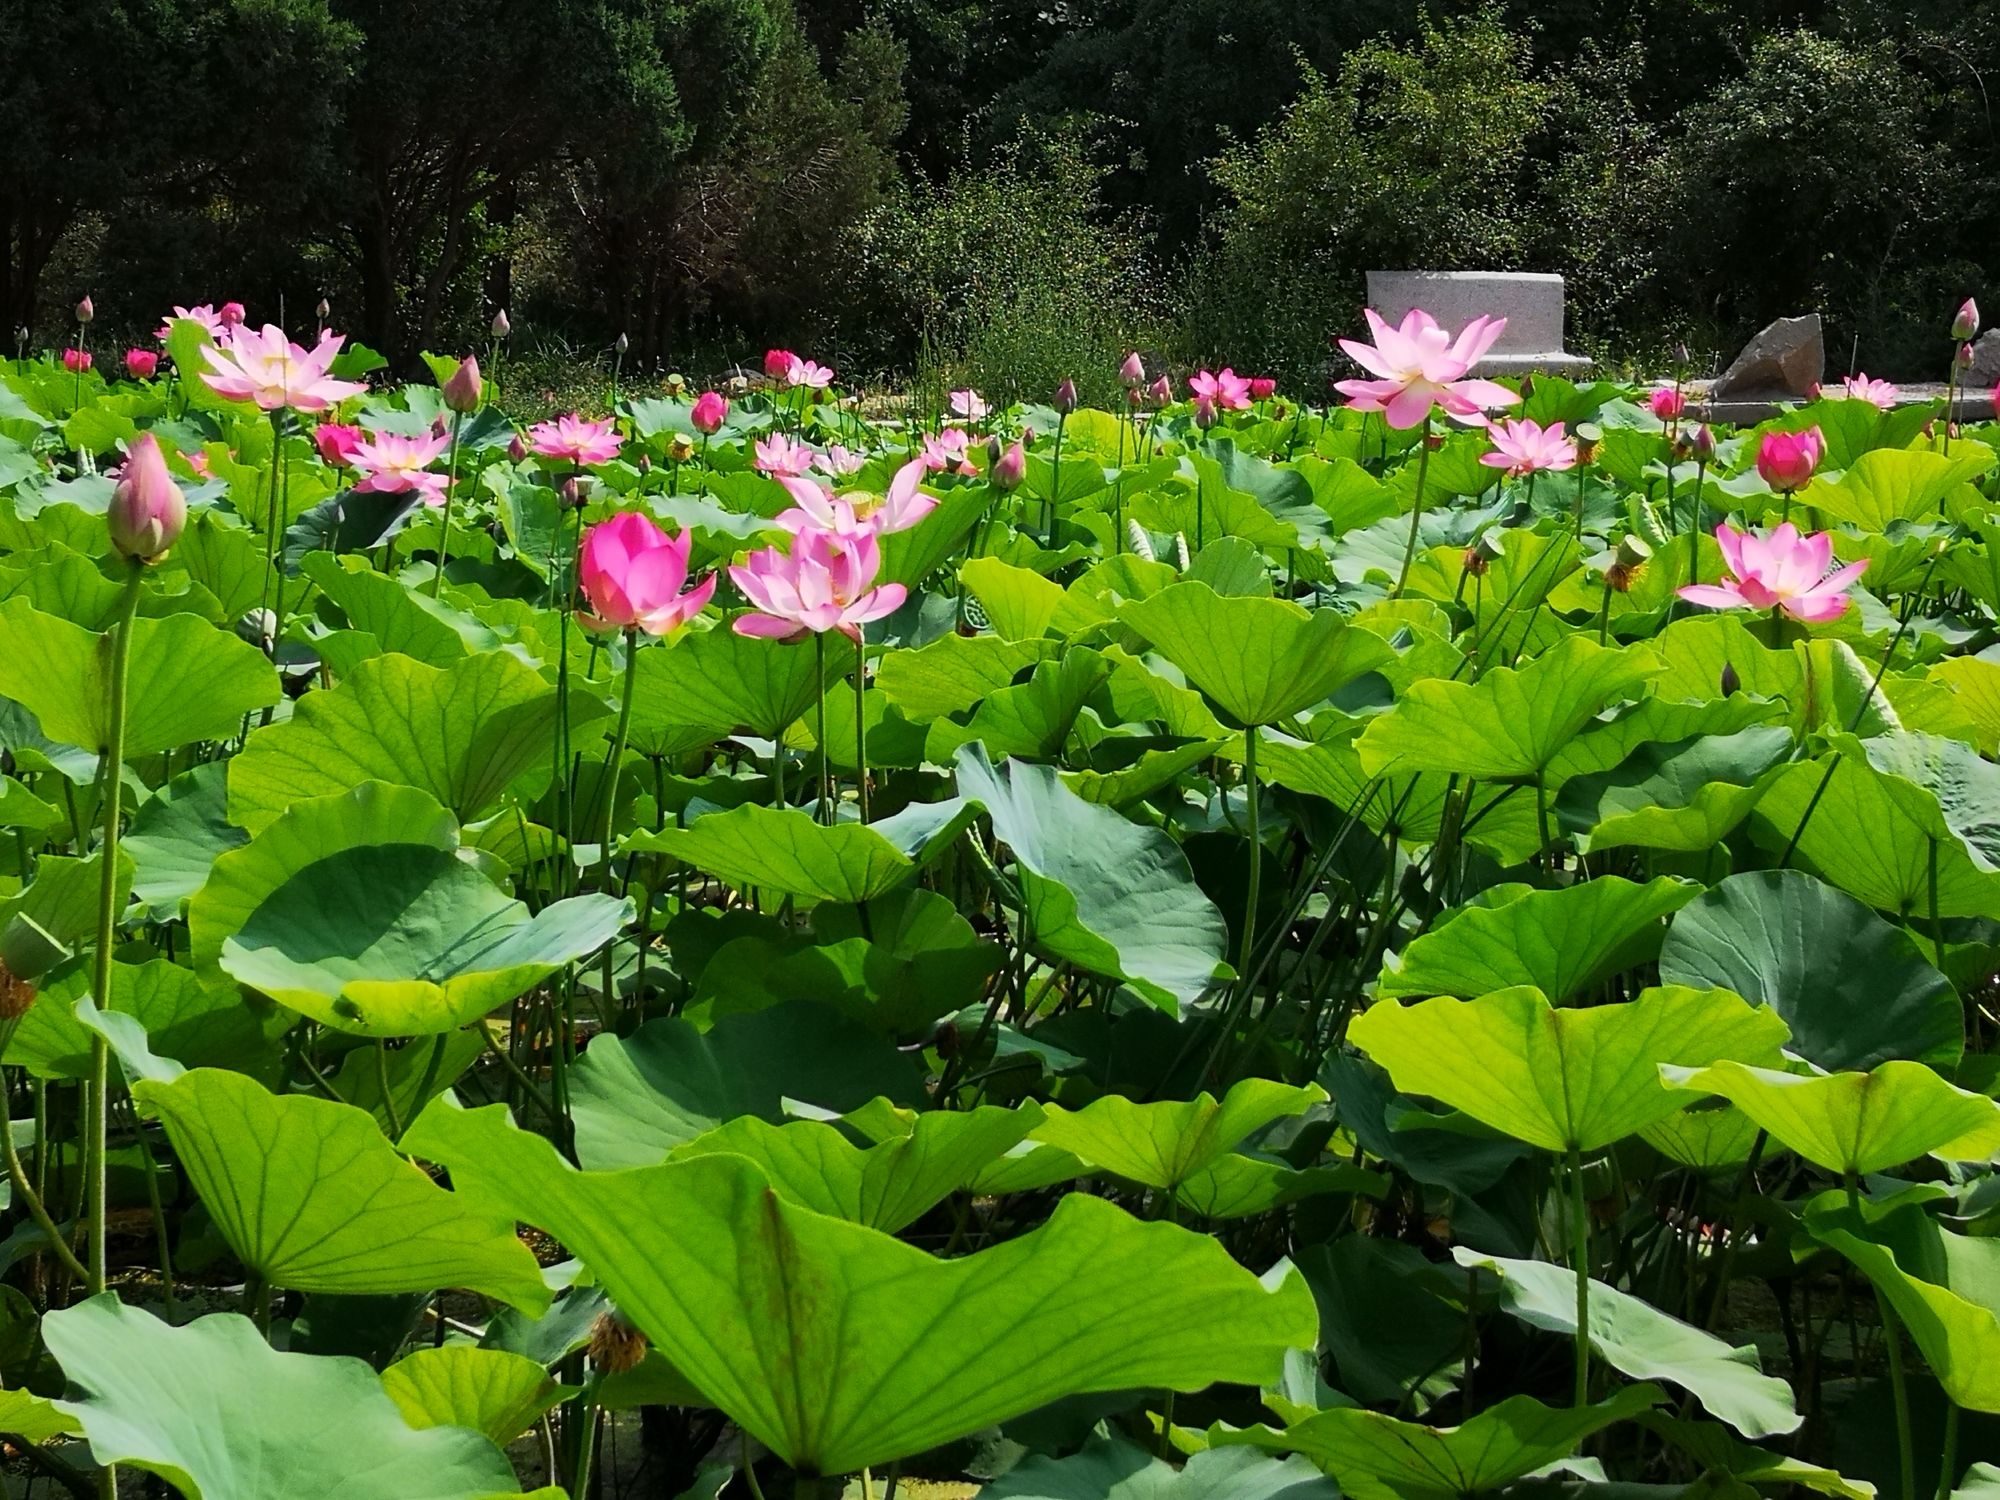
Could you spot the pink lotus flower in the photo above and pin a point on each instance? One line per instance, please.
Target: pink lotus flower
(778, 363)
(231, 314)
(839, 461)
(141, 364)
(1526, 447)
(710, 411)
(1133, 371)
(948, 452)
(813, 377)
(148, 511)
(632, 574)
(1667, 402)
(817, 508)
(1786, 460)
(827, 582)
(1421, 368)
(575, 439)
(337, 443)
(904, 505)
(853, 514)
(969, 405)
(1162, 390)
(198, 461)
(392, 464)
(211, 322)
(782, 457)
(1880, 393)
(269, 369)
(1262, 388)
(1782, 571)
(1227, 391)
(76, 361)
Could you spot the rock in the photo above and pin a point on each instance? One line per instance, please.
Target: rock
(1984, 371)
(1786, 359)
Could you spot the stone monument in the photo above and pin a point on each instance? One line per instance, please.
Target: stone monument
(1531, 302)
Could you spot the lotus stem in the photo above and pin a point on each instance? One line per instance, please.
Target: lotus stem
(1253, 811)
(1948, 1458)
(861, 723)
(36, 1210)
(1417, 508)
(1580, 1256)
(450, 491)
(618, 748)
(1899, 1392)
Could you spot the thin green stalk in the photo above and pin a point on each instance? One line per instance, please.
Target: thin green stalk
(280, 505)
(1416, 509)
(1253, 811)
(107, 924)
(618, 747)
(36, 1211)
(1899, 1394)
(1948, 1458)
(450, 493)
(1580, 1257)
(1055, 484)
(271, 522)
(861, 724)
(388, 1093)
(162, 1241)
(257, 1303)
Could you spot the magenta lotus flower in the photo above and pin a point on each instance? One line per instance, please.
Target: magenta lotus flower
(1262, 388)
(337, 443)
(1879, 393)
(148, 511)
(1667, 402)
(968, 405)
(392, 464)
(575, 439)
(1786, 460)
(708, 414)
(76, 361)
(1226, 391)
(948, 452)
(231, 314)
(1526, 447)
(815, 507)
(904, 505)
(782, 457)
(633, 574)
(206, 315)
(269, 369)
(1782, 571)
(1133, 371)
(1420, 369)
(826, 582)
(141, 364)
(778, 363)
(839, 462)
(852, 514)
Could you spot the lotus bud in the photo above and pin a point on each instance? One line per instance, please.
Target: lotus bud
(21, 337)
(710, 412)
(1680, 354)
(1065, 400)
(85, 310)
(1701, 443)
(501, 327)
(676, 384)
(645, 463)
(1138, 541)
(1204, 412)
(231, 314)
(1262, 388)
(462, 392)
(1133, 371)
(1009, 468)
(1965, 356)
(623, 344)
(615, 1345)
(1163, 390)
(148, 511)
(76, 361)
(1730, 681)
(1434, 441)
(141, 364)
(1136, 397)
(680, 448)
(324, 310)
(516, 449)
(1966, 324)
(575, 492)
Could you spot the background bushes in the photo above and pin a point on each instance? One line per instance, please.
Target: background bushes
(1000, 192)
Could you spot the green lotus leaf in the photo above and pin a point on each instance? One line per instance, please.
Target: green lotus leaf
(1945, 1287)
(635, 1099)
(911, 555)
(717, 679)
(1509, 724)
(194, 1021)
(887, 1186)
(32, 1418)
(784, 851)
(1562, 942)
(1032, 719)
(1259, 660)
(1960, 791)
(1110, 1468)
(1713, 1447)
(954, 672)
(63, 897)
(1637, 1339)
(1382, 1318)
(190, 681)
(838, 1347)
(1855, 1122)
(1886, 485)
(1165, 1144)
(1374, 1457)
(311, 1196)
(357, 910)
(177, 834)
(1707, 1140)
(415, 1075)
(1687, 795)
(1106, 894)
(402, 620)
(1236, 1186)
(460, 1385)
(1975, 684)
(460, 733)
(1876, 836)
(219, 1414)
(1020, 604)
(1564, 1080)
(1855, 990)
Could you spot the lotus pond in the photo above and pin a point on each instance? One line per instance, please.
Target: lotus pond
(1431, 945)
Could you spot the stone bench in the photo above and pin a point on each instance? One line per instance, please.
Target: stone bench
(1531, 302)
